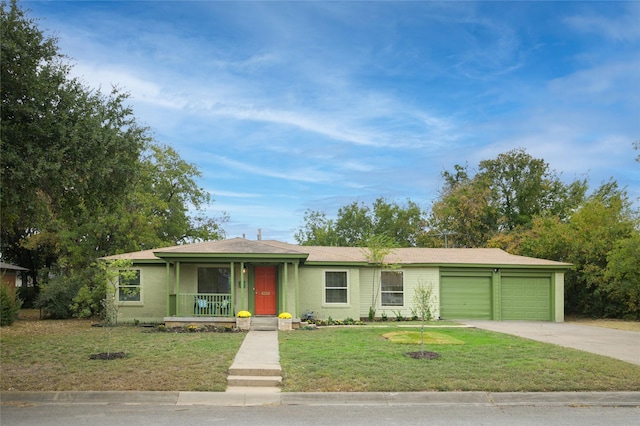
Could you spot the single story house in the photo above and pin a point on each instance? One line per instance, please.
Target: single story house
(217, 279)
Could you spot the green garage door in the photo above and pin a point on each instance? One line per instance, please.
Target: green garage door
(526, 298)
(465, 297)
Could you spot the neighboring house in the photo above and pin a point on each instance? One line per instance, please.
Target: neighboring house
(219, 278)
(11, 274)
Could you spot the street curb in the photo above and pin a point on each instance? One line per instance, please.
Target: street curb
(253, 398)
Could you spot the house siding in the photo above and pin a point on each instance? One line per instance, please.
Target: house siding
(412, 278)
(312, 293)
(153, 297)
(287, 296)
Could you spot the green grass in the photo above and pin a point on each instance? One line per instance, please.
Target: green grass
(54, 355)
(416, 338)
(360, 359)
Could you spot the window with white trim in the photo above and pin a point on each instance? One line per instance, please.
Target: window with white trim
(336, 288)
(392, 284)
(129, 285)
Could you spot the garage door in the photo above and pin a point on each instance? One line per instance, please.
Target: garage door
(526, 298)
(465, 297)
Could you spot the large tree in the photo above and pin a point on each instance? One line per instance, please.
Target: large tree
(80, 178)
(357, 223)
(598, 239)
(507, 192)
(67, 152)
(464, 215)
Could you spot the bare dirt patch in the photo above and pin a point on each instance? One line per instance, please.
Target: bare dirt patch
(423, 355)
(107, 356)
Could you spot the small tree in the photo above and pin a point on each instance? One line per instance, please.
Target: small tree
(376, 252)
(112, 272)
(423, 303)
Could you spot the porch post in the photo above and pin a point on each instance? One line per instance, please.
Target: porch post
(178, 313)
(233, 285)
(284, 288)
(297, 301)
(168, 274)
(242, 285)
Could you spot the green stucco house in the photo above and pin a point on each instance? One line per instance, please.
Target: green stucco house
(216, 279)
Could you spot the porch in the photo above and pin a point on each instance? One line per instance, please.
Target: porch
(204, 305)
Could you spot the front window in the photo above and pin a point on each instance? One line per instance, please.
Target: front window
(335, 287)
(214, 280)
(392, 288)
(129, 286)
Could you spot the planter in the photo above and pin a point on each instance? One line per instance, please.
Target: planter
(285, 324)
(243, 323)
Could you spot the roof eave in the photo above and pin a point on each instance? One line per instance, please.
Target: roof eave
(236, 257)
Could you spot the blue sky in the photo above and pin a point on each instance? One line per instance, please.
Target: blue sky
(288, 106)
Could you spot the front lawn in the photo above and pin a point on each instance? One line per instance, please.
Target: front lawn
(360, 359)
(53, 355)
(48, 355)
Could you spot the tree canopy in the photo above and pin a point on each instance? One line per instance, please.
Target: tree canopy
(506, 193)
(514, 202)
(357, 223)
(81, 178)
(598, 240)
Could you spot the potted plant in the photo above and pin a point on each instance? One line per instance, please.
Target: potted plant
(243, 320)
(285, 321)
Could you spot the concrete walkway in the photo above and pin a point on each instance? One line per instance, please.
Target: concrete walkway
(618, 344)
(256, 367)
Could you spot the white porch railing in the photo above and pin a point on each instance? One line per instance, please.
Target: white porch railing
(204, 305)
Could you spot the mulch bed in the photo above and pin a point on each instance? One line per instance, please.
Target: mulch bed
(423, 355)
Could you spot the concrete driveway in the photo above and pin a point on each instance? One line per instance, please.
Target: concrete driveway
(619, 344)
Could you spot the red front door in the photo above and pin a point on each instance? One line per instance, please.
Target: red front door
(265, 284)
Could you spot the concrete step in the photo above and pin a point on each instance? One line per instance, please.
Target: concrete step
(254, 381)
(256, 370)
(264, 323)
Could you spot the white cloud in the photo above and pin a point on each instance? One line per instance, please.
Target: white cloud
(623, 27)
(233, 194)
(602, 83)
(307, 174)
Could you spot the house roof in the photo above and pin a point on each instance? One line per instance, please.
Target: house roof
(8, 266)
(245, 250)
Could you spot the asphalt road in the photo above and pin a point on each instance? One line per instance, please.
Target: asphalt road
(158, 415)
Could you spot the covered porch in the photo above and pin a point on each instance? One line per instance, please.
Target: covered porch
(215, 286)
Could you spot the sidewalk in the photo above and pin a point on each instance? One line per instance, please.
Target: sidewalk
(256, 398)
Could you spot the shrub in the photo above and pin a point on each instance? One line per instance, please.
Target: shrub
(88, 301)
(9, 305)
(56, 296)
